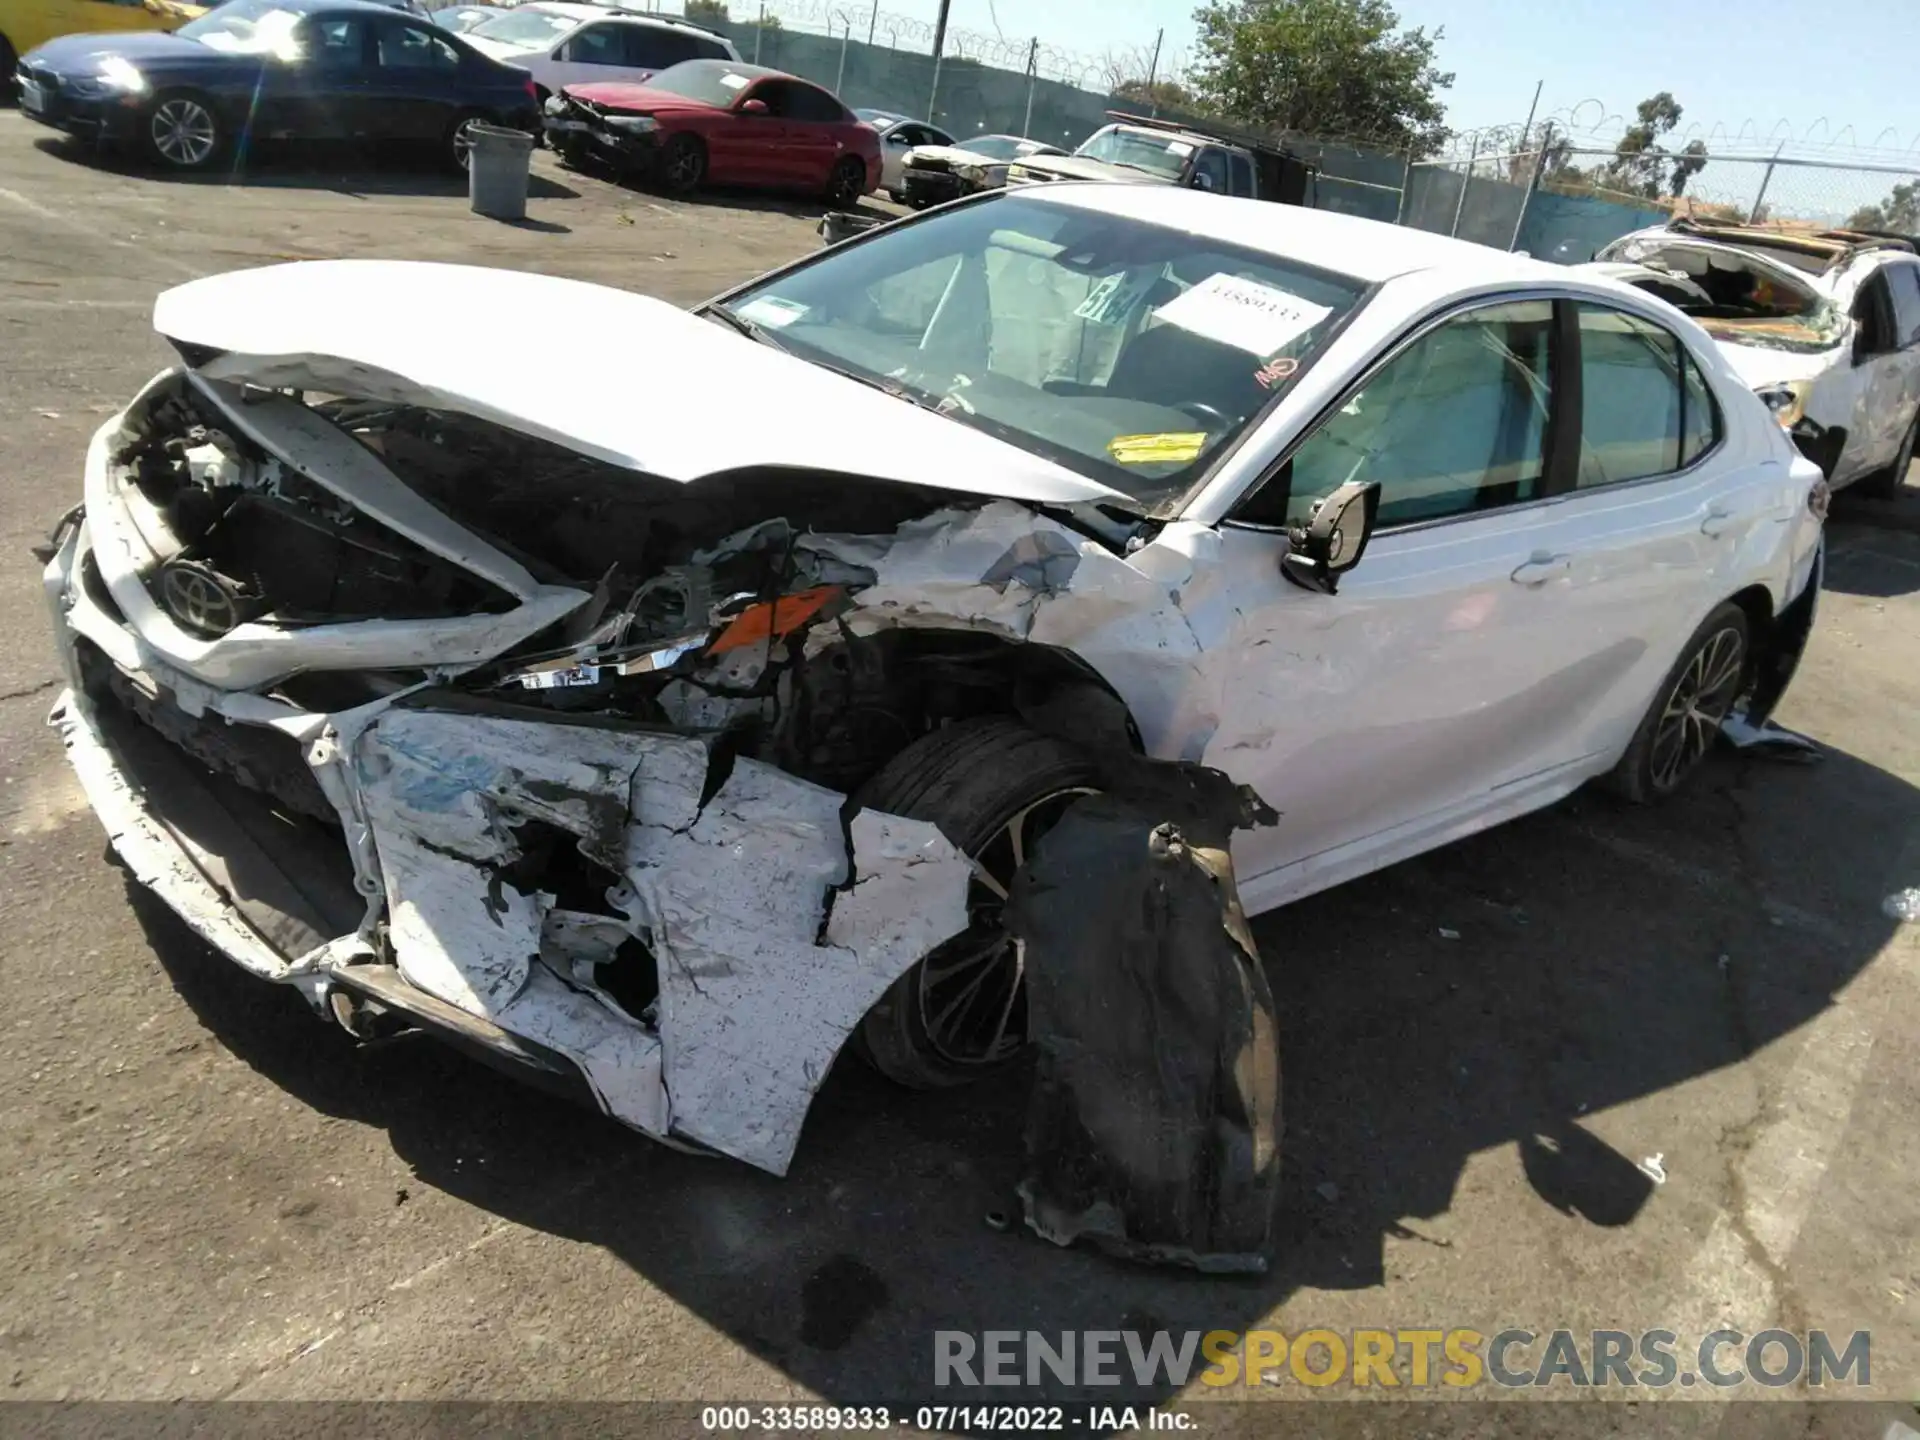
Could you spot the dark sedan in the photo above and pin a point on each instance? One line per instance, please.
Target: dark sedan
(257, 70)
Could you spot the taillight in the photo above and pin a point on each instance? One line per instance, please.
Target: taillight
(1820, 499)
(533, 91)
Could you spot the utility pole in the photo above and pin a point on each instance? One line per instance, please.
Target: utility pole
(873, 20)
(1033, 72)
(1532, 110)
(939, 44)
(846, 39)
(1766, 179)
(1153, 71)
(758, 31)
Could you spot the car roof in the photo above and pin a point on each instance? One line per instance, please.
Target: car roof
(583, 11)
(1367, 250)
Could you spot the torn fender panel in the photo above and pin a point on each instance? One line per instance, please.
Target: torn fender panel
(1154, 1127)
(764, 964)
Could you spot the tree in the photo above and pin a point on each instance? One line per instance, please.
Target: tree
(1641, 165)
(1899, 212)
(1170, 94)
(1335, 67)
(707, 12)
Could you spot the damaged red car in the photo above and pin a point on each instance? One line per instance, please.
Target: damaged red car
(718, 122)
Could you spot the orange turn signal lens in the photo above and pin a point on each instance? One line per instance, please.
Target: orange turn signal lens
(773, 619)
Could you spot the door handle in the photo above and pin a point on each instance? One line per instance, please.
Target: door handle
(1718, 520)
(1542, 568)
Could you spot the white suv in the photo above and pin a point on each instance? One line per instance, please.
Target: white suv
(569, 44)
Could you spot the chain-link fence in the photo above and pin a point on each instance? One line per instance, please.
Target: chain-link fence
(1556, 192)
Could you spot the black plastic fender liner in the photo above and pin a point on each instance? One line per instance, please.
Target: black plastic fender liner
(1154, 1126)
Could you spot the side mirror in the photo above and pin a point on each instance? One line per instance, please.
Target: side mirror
(1203, 182)
(1333, 537)
(753, 107)
(896, 139)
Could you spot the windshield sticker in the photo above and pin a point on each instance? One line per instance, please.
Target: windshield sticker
(1276, 371)
(1171, 448)
(1113, 299)
(1180, 148)
(1242, 313)
(771, 311)
(734, 82)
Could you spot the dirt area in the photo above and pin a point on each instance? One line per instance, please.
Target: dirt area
(211, 1194)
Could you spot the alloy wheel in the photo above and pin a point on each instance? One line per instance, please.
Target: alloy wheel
(463, 142)
(183, 132)
(971, 990)
(683, 167)
(1698, 702)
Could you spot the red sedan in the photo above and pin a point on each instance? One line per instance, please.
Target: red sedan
(714, 120)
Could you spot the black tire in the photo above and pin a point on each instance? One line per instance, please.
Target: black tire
(571, 151)
(1683, 722)
(182, 130)
(540, 97)
(683, 164)
(846, 182)
(457, 145)
(975, 780)
(1886, 484)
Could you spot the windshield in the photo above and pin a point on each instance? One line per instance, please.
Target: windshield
(1747, 303)
(525, 28)
(246, 27)
(714, 81)
(1156, 154)
(1126, 352)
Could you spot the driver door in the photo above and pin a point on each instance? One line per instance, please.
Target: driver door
(1444, 678)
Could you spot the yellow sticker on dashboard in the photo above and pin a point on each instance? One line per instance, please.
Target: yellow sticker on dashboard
(1172, 448)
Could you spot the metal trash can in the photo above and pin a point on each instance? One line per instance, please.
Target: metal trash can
(497, 168)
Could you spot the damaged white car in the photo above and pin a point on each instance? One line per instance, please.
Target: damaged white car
(1823, 325)
(660, 723)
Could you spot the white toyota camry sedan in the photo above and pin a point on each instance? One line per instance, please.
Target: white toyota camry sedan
(661, 722)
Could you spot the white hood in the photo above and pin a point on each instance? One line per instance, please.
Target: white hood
(1759, 365)
(625, 378)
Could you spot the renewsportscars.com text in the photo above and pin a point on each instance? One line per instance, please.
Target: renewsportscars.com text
(1389, 1359)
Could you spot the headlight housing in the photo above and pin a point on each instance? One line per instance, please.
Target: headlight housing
(117, 76)
(633, 124)
(1787, 401)
(556, 105)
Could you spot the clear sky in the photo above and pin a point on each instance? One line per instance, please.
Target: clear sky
(1727, 61)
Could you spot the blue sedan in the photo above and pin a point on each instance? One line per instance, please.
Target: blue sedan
(274, 69)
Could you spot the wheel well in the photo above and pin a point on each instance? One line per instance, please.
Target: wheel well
(1756, 603)
(856, 704)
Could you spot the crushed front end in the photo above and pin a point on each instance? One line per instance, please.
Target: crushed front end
(454, 728)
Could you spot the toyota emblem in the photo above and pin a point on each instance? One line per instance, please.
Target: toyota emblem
(200, 599)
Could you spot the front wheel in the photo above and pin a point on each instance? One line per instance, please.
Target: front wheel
(993, 787)
(683, 164)
(1885, 484)
(1680, 728)
(183, 132)
(847, 182)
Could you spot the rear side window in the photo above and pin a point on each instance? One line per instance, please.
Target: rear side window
(804, 102)
(597, 45)
(408, 47)
(1646, 410)
(1904, 280)
(648, 48)
(1242, 181)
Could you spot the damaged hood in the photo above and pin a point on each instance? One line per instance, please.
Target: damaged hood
(1080, 167)
(621, 377)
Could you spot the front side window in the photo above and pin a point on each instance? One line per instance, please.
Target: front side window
(804, 102)
(1456, 422)
(1903, 279)
(1645, 408)
(1130, 353)
(1213, 165)
(1873, 318)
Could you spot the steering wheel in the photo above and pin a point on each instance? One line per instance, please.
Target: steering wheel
(1200, 410)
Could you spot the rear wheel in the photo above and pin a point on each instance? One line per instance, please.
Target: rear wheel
(1885, 484)
(847, 182)
(459, 142)
(683, 164)
(183, 132)
(993, 787)
(1679, 730)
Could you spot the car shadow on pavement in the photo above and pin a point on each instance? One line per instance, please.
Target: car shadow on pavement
(1876, 561)
(1486, 997)
(721, 197)
(342, 170)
